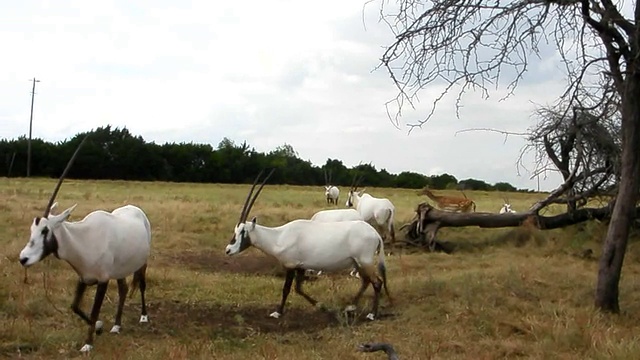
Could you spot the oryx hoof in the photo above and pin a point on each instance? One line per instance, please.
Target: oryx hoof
(371, 317)
(115, 329)
(275, 315)
(86, 348)
(99, 327)
(350, 308)
(144, 319)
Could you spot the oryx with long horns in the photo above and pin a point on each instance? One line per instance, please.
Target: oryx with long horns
(506, 207)
(332, 193)
(304, 244)
(100, 247)
(379, 212)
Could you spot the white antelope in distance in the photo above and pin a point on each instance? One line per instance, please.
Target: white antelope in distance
(100, 247)
(332, 193)
(379, 212)
(304, 244)
(506, 207)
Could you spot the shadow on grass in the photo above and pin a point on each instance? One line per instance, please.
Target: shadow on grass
(178, 319)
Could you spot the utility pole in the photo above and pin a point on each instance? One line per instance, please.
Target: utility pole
(33, 93)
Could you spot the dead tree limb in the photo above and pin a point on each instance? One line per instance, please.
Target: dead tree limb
(428, 220)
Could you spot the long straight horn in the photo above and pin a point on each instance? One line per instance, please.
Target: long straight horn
(329, 183)
(253, 200)
(353, 181)
(64, 174)
(358, 181)
(246, 201)
(326, 180)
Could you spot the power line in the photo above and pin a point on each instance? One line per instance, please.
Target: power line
(33, 93)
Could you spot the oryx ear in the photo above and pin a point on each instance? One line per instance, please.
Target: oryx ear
(361, 192)
(53, 207)
(57, 219)
(251, 225)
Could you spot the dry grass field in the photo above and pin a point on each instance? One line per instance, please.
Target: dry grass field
(531, 300)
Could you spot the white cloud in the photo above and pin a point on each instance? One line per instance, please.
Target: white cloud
(266, 72)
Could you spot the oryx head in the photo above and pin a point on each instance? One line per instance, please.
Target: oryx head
(42, 241)
(353, 191)
(241, 240)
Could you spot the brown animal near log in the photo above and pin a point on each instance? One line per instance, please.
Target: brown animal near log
(450, 203)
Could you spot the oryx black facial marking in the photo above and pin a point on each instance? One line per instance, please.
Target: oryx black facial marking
(50, 245)
(245, 241)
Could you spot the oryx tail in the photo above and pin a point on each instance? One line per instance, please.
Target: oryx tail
(391, 228)
(382, 269)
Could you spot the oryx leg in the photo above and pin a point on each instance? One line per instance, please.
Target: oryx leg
(122, 296)
(377, 289)
(95, 312)
(364, 284)
(141, 276)
(286, 289)
(368, 276)
(299, 281)
(81, 287)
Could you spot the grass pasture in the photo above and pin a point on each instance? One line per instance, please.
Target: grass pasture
(499, 301)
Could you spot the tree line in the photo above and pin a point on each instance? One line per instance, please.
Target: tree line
(116, 154)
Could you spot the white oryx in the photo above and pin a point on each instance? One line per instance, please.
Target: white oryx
(506, 207)
(332, 193)
(376, 211)
(100, 247)
(304, 244)
(337, 215)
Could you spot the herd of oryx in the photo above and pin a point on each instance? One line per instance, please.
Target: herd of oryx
(108, 246)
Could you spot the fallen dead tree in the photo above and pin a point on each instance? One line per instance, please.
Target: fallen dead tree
(423, 228)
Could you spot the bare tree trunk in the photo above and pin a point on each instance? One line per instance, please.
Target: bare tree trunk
(615, 243)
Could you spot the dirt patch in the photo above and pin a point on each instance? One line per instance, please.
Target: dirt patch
(174, 318)
(213, 261)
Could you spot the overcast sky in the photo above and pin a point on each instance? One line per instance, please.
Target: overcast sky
(268, 72)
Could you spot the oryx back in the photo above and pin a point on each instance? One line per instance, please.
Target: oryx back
(132, 240)
(327, 246)
(337, 215)
(373, 209)
(117, 243)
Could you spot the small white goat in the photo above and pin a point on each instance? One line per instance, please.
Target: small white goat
(376, 211)
(337, 215)
(306, 244)
(100, 247)
(332, 193)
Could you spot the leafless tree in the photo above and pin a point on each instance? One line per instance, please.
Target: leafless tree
(577, 142)
(466, 45)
